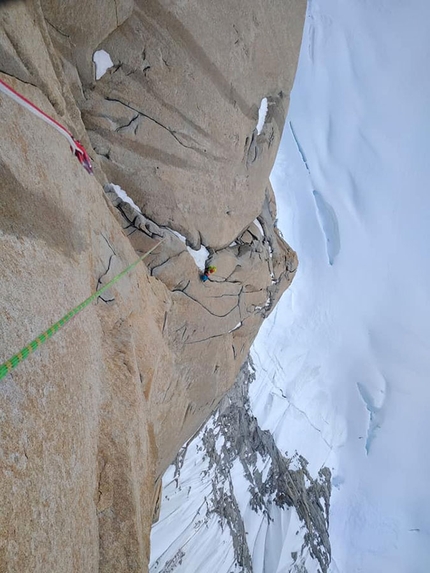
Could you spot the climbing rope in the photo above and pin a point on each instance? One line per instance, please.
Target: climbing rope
(76, 146)
(20, 356)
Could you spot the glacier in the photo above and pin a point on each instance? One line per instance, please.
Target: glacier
(342, 364)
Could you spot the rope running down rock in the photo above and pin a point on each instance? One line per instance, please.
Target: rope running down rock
(20, 356)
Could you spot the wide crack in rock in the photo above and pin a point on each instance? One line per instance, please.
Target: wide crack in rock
(252, 273)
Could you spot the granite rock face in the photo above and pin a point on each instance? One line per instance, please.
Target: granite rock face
(210, 325)
(91, 421)
(174, 120)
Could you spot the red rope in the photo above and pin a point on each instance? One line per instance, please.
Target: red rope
(76, 146)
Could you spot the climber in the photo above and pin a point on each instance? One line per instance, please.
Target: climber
(209, 270)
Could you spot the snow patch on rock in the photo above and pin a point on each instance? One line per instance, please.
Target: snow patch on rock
(103, 62)
(180, 237)
(200, 257)
(123, 195)
(262, 113)
(259, 226)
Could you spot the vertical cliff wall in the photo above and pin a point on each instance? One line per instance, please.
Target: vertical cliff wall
(91, 421)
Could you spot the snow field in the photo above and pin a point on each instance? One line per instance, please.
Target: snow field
(348, 347)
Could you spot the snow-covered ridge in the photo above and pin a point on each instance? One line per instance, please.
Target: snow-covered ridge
(236, 492)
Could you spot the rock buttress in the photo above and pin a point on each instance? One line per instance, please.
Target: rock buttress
(91, 420)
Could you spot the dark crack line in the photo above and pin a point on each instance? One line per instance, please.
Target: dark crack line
(56, 29)
(231, 274)
(310, 423)
(183, 328)
(131, 221)
(168, 129)
(99, 488)
(128, 124)
(223, 295)
(165, 262)
(180, 289)
(209, 311)
(110, 246)
(116, 13)
(107, 300)
(99, 282)
(208, 338)
(117, 67)
(164, 322)
(19, 79)
(105, 154)
(229, 282)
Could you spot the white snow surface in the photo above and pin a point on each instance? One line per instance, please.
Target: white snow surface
(123, 195)
(103, 62)
(343, 363)
(262, 112)
(200, 257)
(259, 227)
(180, 237)
(185, 527)
(187, 539)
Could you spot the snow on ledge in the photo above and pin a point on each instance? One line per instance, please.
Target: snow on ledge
(238, 325)
(123, 195)
(200, 257)
(180, 237)
(262, 112)
(259, 227)
(103, 62)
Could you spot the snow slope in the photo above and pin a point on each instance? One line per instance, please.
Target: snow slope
(232, 502)
(343, 362)
(346, 353)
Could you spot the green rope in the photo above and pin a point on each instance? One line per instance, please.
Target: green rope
(20, 356)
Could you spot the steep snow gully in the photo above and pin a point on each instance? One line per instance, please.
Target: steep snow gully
(342, 364)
